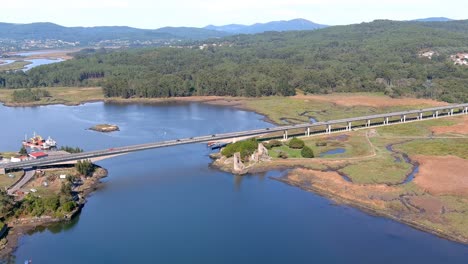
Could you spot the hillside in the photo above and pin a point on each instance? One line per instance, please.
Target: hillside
(291, 25)
(381, 56)
(87, 35)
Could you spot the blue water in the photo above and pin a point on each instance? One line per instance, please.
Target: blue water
(333, 152)
(6, 62)
(39, 62)
(37, 52)
(169, 206)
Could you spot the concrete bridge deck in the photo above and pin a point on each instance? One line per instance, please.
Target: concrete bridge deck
(324, 128)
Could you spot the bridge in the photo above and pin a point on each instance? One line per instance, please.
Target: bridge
(306, 129)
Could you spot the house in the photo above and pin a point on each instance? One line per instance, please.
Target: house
(38, 155)
(15, 159)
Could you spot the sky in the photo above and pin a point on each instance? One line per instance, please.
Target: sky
(153, 14)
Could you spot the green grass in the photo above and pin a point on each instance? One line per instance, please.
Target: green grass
(282, 110)
(437, 147)
(292, 153)
(379, 170)
(6, 182)
(8, 155)
(421, 128)
(59, 95)
(355, 146)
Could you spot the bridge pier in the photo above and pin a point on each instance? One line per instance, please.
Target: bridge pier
(403, 119)
(285, 135)
(307, 132)
(451, 111)
(368, 123)
(2, 171)
(328, 129)
(385, 122)
(465, 110)
(349, 126)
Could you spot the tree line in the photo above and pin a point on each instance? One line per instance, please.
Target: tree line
(381, 56)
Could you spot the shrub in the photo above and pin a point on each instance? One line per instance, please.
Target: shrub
(283, 155)
(68, 206)
(273, 143)
(307, 152)
(246, 148)
(296, 143)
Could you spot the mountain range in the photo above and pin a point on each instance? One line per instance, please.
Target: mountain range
(289, 25)
(92, 35)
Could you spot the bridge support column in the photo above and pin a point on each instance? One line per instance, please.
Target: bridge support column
(285, 135)
(349, 126)
(385, 121)
(368, 123)
(403, 119)
(420, 116)
(307, 132)
(2, 171)
(451, 112)
(436, 114)
(466, 110)
(328, 129)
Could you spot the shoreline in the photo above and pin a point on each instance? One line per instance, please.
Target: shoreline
(226, 101)
(19, 227)
(372, 211)
(337, 197)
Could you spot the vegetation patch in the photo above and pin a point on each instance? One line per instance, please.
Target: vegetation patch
(29, 95)
(437, 147)
(105, 128)
(245, 147)
(57, 95)
(296, 143)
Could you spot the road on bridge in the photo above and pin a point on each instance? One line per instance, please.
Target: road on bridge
(436, 112)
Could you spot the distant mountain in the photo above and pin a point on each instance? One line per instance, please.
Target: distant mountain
(290, 25)
(433, 19)
(191, 32)
(85, 35)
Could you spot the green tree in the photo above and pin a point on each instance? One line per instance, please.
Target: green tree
(307, 152)
(296, 143)
(23, 151)
(84, 167)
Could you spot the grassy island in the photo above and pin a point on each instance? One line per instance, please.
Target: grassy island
(105, 128)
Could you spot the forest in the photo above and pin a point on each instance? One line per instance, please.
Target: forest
(380, 56)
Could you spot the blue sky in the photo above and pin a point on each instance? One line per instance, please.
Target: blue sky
(157, 13)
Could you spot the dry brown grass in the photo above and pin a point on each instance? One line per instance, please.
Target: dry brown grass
(460, 128)
(370, 100)
(442, 175)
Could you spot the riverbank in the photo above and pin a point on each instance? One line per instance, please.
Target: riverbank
(396, 176)
(17, 227)
(276, 109)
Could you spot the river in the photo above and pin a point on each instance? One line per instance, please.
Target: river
(169, 206)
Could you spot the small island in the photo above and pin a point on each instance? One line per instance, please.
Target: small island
(105, 128)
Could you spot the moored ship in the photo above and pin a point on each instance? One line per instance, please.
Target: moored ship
(37, 142)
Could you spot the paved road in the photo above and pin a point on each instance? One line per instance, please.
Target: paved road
(28, 174)
(443, 111)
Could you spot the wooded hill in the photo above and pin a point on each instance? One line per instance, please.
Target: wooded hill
(377, 56)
